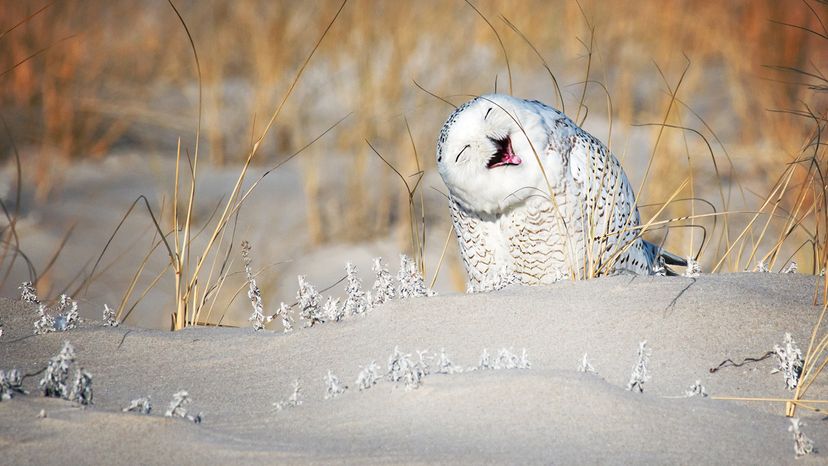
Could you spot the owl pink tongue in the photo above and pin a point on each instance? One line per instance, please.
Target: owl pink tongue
(509, 158)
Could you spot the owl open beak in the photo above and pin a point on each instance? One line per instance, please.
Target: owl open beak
(504, 155)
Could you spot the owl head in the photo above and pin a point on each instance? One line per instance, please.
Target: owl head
(486, 153)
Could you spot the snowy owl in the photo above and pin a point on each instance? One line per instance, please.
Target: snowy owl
(536, 199)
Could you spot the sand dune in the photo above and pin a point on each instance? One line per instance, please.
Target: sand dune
(548, 413)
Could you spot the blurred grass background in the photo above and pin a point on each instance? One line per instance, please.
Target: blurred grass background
(83, 81)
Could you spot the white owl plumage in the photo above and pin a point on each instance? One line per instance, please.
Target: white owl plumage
(536, 199)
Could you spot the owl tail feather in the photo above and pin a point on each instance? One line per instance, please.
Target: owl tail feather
(665, 257)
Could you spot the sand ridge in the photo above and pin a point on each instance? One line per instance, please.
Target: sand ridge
(549, 413)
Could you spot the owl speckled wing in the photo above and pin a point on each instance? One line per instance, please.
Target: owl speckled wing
(607, 203)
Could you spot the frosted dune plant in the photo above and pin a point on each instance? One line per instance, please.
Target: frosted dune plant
(410, 280)
(586, 366)
(396, 364)
(697, 389)
(356, 302)
(802, 444)
(761, 266)
(422, 362)
(332, 311)
(309, 298)
(10, 384)
(28, 293)
(294, 400)
(402, 369)
(178, 407)
(55, 378)
(790, 268)
(82, 388)
(287, 319)
(368, 376)
(485, 361)
(789, 358)
(444, 364)
(506, 360)
(523, 361)
(414, 376)
(253, 293)
(44, 323)
(640, 373)
(68, 317)
(693, 269)
(109, 317)
(383, 289)
(333, 387)
(141, 405)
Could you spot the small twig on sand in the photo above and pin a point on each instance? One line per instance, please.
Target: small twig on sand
(730, 363)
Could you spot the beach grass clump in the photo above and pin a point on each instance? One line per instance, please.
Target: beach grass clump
(333, 386)
(141, 405)
(640, 374)
(10, 384)
(178, 407)
(292, 401)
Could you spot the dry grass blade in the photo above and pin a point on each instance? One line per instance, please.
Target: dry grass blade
(673, 96)
(58, 250)
(35, 54)
(499, 41)
(441, 99)
(186, 276)
(558, 93)
(415, 237)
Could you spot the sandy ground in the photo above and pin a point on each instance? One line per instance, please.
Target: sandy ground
(550, 413)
